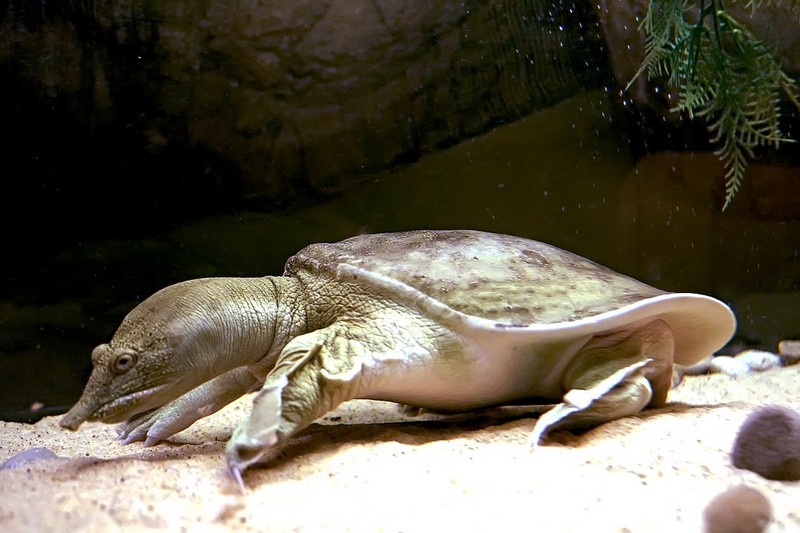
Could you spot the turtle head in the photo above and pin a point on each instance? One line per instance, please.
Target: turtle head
(177, 339)
(125, 381)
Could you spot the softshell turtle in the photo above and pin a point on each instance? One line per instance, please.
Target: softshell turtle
(443, 320)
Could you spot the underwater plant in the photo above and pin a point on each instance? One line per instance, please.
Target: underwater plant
(723, 74)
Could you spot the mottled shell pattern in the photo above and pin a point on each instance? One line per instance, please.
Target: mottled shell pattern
(514, 284)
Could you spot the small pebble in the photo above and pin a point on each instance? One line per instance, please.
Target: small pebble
(759, 360)
(26, 457)
(740, 509)
(789, 352)
(725, 364)
(768, 443)
(745, 362)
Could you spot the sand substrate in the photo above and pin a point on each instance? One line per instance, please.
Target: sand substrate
(368, 467)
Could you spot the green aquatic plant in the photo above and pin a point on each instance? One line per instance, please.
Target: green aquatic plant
(722, 74)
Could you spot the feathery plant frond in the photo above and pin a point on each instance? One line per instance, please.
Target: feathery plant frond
(723, 74)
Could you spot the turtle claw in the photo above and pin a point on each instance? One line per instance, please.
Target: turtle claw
(236, 473)
(130, 432)
(151, 441)
(127, 435)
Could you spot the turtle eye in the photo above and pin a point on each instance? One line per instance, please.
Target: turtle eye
(124, 362)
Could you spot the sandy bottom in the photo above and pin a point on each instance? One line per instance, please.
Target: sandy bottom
(366, 469)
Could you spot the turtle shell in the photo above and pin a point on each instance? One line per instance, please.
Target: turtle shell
(504, 283)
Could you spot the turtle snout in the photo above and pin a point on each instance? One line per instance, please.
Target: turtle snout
(76, 416)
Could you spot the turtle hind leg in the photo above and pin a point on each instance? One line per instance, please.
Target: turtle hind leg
(624, 392)
(314, 374)
(614, 376)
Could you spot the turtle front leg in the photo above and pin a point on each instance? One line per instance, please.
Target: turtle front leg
(314, 374)
(177, 415)
(614, 376)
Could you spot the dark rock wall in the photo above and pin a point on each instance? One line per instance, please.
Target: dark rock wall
(294, 95)
(121, 117)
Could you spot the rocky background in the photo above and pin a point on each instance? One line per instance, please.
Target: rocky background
(152, 141)
(184, 103)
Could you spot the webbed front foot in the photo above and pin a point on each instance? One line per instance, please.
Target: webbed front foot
(158, 424)
(257, 436)
(136, 429)
(307, 382)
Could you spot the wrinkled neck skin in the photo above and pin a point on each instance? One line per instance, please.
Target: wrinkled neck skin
(248, 321)
(186, 335)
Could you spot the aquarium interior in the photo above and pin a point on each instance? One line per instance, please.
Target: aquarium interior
(150, 143)
(156, 141)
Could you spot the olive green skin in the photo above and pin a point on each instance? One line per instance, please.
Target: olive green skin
(449, 320)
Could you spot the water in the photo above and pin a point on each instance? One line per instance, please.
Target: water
(150, 145)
